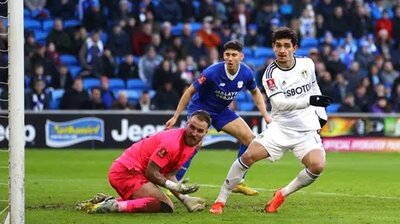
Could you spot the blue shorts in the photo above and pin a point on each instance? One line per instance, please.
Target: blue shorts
(219, 120)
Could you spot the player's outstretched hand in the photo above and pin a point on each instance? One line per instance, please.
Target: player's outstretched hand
(194, 204)
(170, 123)
(320, 100)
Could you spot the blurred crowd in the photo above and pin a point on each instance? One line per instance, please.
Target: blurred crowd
(167, 43)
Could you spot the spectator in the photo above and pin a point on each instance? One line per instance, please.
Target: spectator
(381, 105)
(395, 98)
(341, 88)
(64, 9)
(334, 65)
(37, 8)
(60, 38)
(362, 99)
(90, 56)
(123, 11)
(37, 99)
(118, 42)
(197, 48)
(95, 101)
(107, 95)
(74, 98)
(166, 98)
(79, 37)
(338, 23)
(169, 10)
(364, 57)
(388, 74)
(353, 75)
(209, 38)
(84, 7)
(396, 25)
(384, 23)
(109, 64)
(349, 105)
(327, 86)
(128, 69)
(140, 39)
(187, 35)
(148, 64)
(62, 79)
(93, 19)
(361, 23)
(122, 103)
(144, 103)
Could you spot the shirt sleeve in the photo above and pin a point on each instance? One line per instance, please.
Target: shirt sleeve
(161, 156)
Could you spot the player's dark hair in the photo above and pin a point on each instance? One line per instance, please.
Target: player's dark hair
(285, 33)
(233, 44)
(203, 116)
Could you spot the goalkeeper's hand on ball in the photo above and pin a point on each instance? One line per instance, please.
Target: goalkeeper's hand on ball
(194, 204)
(181, 188)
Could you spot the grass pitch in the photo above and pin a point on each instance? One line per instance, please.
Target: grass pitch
(355, 188)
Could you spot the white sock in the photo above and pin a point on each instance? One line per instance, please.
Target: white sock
(303, 179)
(235, 174)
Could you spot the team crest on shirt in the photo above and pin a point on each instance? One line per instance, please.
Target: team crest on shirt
(271, 84)
(201, 79)
(304, 74)
(162, 152)
(240, 84)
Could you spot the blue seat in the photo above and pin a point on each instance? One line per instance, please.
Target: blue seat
(56, 95)
(176, 30)
(74, 70)
(133, 96)
(136, 84)
(89, 83)
(245, 106)
(69, 59)
(71, 23)
(48, 25)
(116, 84)
(333, 108)
(41, 36)
(309, 42)
(248, 52)
(32, 24)
(303, 51)
(195, 26)
(265, 52)
(256, 62)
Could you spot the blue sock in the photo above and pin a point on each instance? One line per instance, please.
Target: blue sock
(242, 149)
(185, 166)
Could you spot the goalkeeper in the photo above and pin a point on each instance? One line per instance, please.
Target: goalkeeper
(152, 162)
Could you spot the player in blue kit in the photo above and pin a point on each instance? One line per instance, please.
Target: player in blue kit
(214, 90)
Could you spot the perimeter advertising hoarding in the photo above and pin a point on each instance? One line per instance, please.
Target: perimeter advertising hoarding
(121, 129)
(106, 130)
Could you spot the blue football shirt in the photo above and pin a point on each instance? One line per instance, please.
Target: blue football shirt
(215, 89)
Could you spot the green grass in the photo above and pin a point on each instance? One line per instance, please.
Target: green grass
(355, 188)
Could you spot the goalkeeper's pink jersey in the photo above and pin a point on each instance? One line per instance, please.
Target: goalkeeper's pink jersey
(166, 148)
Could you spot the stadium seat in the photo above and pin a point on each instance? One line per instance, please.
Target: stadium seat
(71, 23)
(333, 108)
(56, 95)
(195, 26)
(48, 25)
(69, 59)
(116, 84)
(309, 42)
(133, 96)
(177, 29)
(41, 36)
(74, 70)
(245, 106)
(256, 62)
(32, 24)
(89, 83)
(248, 52)
(265, 52)
(303, 51)
(136, 84)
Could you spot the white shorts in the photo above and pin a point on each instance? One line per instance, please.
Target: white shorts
(277, 140)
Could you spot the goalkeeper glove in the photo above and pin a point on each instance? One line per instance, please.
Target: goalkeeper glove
(181, 188)
(194, 204)
(320, 100)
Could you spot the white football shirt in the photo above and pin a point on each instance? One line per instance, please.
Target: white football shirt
(296, 82)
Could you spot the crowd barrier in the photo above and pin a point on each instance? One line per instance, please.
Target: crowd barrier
(118, 130)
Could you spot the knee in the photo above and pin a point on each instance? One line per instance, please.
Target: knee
(248, 158)
(316, 168)
(246, 140)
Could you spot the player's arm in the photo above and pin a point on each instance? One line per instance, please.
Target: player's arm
(192, 204)
(260, 104)
(183, 102)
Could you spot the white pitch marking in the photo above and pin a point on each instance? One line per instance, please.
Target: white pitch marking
(319, 193)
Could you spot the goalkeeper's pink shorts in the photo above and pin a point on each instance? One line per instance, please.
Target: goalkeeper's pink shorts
(125, 182)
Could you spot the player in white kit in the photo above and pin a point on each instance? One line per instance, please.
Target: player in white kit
(298, 113)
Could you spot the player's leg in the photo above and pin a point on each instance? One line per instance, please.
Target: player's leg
(239, 129)
(312, 155)
(254, 153)
(137, 193)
